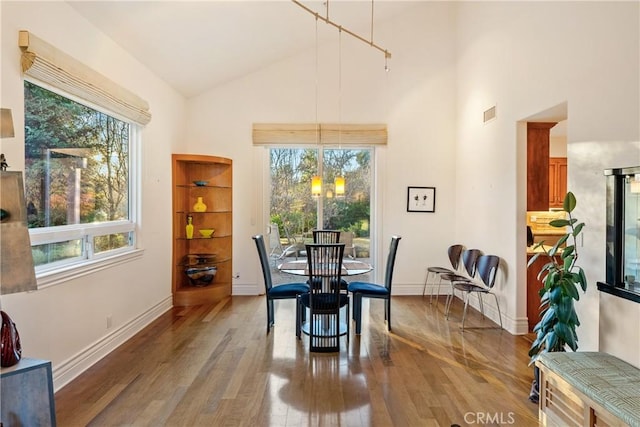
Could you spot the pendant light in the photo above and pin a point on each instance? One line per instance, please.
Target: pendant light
(339, 181)
(316, 180)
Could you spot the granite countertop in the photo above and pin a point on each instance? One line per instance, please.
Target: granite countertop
(531, 250)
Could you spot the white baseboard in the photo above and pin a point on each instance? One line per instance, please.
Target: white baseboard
(247, 289)
(66, 371)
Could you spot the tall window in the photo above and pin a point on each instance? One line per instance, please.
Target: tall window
(79, 180)
(296, 211)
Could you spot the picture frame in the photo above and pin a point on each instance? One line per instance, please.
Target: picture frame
(421, 199)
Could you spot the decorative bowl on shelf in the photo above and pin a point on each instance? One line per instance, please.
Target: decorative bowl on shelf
(201, 275)
(200, 183)
(200, 268)
(206, 232)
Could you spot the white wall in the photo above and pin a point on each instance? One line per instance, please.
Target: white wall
(416, 99)
(526, 57)
(66, 323)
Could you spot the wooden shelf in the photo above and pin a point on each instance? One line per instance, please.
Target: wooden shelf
(217, 195)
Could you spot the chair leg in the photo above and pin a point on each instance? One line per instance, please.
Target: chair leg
(481, 304)
(449, 301)
(270, 315)
(298, 317)
(498, 307)
(464, 313)
(424, 287)
(357, 312)
(387, 314)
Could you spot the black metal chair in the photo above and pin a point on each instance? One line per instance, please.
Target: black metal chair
(325, 299)
(454, 253)
(373, 290)
(326, 236)
(283, 291)
(469, 260)
(487, 269)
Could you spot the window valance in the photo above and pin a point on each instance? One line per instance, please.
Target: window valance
(52, 66)
(319, 133)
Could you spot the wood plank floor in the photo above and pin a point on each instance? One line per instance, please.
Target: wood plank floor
(216, 366)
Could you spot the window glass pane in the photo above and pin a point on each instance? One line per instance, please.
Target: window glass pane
(60, 251)
(76, 162)
(111, 242)
(631, 236)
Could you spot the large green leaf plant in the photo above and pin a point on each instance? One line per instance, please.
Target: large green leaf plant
(561, 278)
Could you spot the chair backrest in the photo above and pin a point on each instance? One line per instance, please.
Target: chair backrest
(454, 255)
(324, 261)
(264, 261)
(391, 261)
(470, 259)
(326, 236)
(487, 267)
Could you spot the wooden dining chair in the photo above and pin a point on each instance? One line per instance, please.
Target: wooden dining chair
(325, 299)
(283, 291)
(373, 290)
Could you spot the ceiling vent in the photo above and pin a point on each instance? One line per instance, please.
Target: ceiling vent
(490, 114)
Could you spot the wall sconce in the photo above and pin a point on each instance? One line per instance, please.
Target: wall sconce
(634, 184)
(339, 183)
(6, 123)
(316, 186)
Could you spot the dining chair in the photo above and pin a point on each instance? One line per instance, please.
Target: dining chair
(469, 261)
(283, 291)
(487, 268)
(454, 252)
(324, 300)
(373, 290)
(329, 236)
(326, 236)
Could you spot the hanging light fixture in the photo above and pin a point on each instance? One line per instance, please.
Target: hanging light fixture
(316, 180)
(339, 181)
(316, 186)
(339, 184)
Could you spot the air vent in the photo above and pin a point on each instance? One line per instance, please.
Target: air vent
(490, 114)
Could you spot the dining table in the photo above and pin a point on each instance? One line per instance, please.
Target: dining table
(350, 267)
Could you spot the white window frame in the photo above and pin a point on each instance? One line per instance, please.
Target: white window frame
(61, 271)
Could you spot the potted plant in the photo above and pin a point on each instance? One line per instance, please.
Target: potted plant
(561, 277)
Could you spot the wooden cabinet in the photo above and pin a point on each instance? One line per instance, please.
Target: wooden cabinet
(538, 166)
(557, 181)
(215, 191)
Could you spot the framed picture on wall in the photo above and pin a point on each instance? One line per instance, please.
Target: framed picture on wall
(421, 199)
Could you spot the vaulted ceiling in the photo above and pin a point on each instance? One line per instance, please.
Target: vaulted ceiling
(197, 45)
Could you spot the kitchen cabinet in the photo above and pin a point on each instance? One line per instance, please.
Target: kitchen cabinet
(538, 165)
(557, 181)
(213, 176)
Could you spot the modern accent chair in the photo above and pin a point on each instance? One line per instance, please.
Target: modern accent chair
(325, 299)
(469, 260)
(283, 291)
(454, 253)
(361, 290)
(487, 268)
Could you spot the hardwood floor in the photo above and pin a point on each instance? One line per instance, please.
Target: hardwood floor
(215, 366)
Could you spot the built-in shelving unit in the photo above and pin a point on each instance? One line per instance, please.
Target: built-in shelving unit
(217, 195)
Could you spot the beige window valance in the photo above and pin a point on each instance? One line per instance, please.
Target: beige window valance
(319, 133)
(52, 66)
